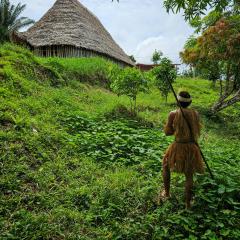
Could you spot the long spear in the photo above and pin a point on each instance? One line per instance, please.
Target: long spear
(190, 128)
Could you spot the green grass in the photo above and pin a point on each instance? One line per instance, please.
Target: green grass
(76, 165)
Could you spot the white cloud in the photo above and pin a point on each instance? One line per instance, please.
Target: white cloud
(139, 27)
(145, 49)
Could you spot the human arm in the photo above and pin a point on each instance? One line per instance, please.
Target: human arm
(168, 128)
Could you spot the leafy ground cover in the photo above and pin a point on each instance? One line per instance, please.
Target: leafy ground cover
(75, 164)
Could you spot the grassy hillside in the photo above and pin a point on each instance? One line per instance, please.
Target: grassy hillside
(76, 165)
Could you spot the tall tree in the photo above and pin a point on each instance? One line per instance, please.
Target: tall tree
(200, 66)
(221, 43)
(10, 19)
(218, 49)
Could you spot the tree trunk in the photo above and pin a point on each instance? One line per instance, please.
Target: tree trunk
(236, 77)
(131, 102)
(223, 103)
(221, 88)
(135, 105)
(194, 71)
(214, 83)
(166, 97)
(228, 77)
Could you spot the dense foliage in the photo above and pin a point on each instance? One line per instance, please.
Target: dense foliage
(200, 66)
(10, 19)
(196, 8)
(76, 165)
(216, 51)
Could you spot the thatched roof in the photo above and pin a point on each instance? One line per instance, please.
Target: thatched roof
(68, 22)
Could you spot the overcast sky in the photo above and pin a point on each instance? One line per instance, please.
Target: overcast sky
(138, 26)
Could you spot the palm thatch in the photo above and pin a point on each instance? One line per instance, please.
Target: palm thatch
(69, 23)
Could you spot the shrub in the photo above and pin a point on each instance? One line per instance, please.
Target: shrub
(130, 82)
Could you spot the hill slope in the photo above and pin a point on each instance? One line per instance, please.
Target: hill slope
(76, 165)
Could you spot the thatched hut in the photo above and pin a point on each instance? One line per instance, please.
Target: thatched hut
(69, 29)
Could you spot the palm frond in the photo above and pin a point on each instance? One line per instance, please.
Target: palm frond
(20, 23)
(17, 11)
(10, 19)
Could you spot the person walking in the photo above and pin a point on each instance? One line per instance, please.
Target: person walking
(183, 155)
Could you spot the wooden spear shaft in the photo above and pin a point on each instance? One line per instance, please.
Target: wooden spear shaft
(190, 128)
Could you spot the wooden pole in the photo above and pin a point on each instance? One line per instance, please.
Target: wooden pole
(190, 128)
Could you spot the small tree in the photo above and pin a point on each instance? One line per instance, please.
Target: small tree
(130, 82)
(156, 57)
(164, 74)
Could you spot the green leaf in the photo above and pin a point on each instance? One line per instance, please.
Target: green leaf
(221, 189)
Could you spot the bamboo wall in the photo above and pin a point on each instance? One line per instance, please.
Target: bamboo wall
(66, 51)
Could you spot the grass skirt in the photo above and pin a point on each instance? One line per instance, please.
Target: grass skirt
(184, 158)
